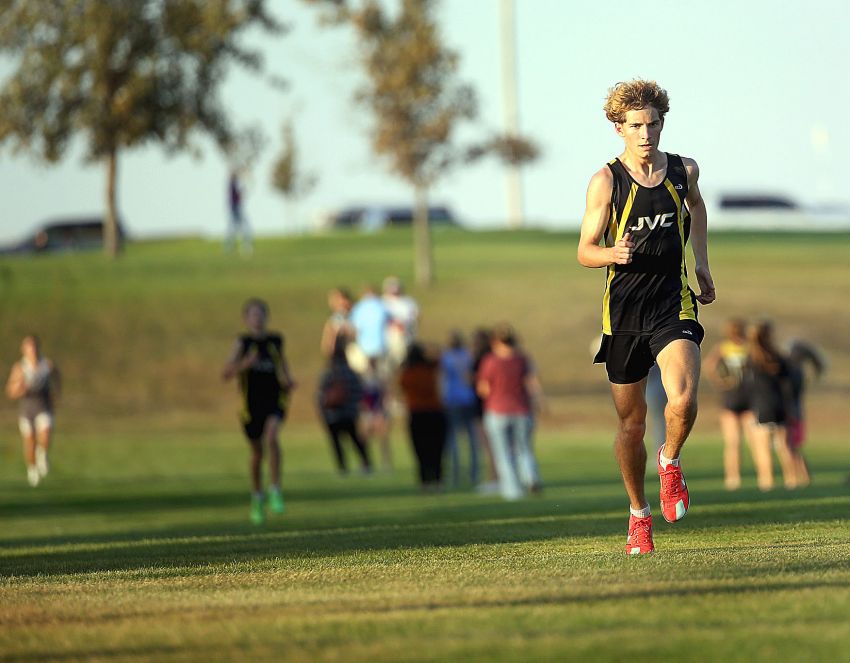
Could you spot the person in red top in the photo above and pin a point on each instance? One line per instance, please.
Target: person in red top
(420, 384)
(509, 387)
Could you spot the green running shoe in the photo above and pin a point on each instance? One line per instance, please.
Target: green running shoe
(276, 501)
(258, 511)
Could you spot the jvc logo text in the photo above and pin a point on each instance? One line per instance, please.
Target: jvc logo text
(660, 220)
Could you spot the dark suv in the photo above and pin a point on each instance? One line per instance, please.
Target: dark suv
(66, 235)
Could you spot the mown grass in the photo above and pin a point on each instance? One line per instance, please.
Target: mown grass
(138, 547)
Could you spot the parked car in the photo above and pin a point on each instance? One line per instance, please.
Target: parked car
(376, 217)
(78, 234)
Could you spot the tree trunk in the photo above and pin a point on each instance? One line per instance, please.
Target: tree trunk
(423, 265)
(111, 236)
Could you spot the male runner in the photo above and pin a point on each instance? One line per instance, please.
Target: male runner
(258, 360)
(649, 313)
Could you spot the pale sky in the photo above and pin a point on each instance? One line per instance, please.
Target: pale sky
(758, 92)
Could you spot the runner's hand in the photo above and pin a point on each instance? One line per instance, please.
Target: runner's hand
(249, 360)
(623, 250)
(706, 285)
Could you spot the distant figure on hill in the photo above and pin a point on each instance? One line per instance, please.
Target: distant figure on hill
(724, 366)
(238, 224)
(460, 402)
(265, 382)
(509, 386)
(340, 393)
(34, 382)
(420, 384)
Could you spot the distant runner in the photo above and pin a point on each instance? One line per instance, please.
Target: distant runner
(35, 383)
(258, 361)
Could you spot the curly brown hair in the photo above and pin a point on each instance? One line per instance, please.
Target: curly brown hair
(635, 95)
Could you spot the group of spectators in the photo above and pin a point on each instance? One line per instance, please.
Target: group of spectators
(762, 390)
(378, 368)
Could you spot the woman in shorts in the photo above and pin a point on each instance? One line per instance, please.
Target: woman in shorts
(768, 374)
(724, 366)
(34, 382)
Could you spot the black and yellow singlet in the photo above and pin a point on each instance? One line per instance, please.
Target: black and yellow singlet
(652, 291)
(261, 390)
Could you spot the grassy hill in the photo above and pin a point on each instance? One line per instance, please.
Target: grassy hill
(145, 336)
(137, 547)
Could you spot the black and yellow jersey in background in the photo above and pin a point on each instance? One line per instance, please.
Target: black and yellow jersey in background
(652, 291)
(259, 384)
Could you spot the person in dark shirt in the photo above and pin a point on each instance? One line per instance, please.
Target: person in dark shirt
(265, 383)
(769, 383)
(800, 355)
(340, 393)
(420, 384)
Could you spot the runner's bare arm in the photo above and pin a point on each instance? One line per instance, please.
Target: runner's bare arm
(596, 216)
(235, 364)
(699, 234)
(15, 386)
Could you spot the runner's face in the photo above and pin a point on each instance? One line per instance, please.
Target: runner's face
(29, 348)
(255, 319)
(641, 131)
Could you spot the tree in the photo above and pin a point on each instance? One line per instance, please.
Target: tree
(416, 103)
(287, 177)
(121, 74)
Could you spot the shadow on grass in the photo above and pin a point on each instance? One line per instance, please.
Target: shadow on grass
(429, 524)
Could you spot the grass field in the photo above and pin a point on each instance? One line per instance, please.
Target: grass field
(138, 546)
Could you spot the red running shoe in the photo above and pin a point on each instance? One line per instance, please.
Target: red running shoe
(639, 541)
(674, 491)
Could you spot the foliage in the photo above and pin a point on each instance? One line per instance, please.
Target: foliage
(416, 101)
(287, 177)
(120, 74)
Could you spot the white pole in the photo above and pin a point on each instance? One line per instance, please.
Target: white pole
(514, 190)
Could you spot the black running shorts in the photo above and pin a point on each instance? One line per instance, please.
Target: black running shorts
(256, 421)
(628, 357)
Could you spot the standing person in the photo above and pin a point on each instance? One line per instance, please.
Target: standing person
(724, 366)
(460, 403)
(265, 382)
(338, 325)
(35, 383)
(636, 203)
(508, 384)
(656, 401)
(800, 354)
(769, 378)
(480, 349)
(374, 418)
(420, 385)
(370, 319)
(404, 317)
(340, 392)
(238, 224)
